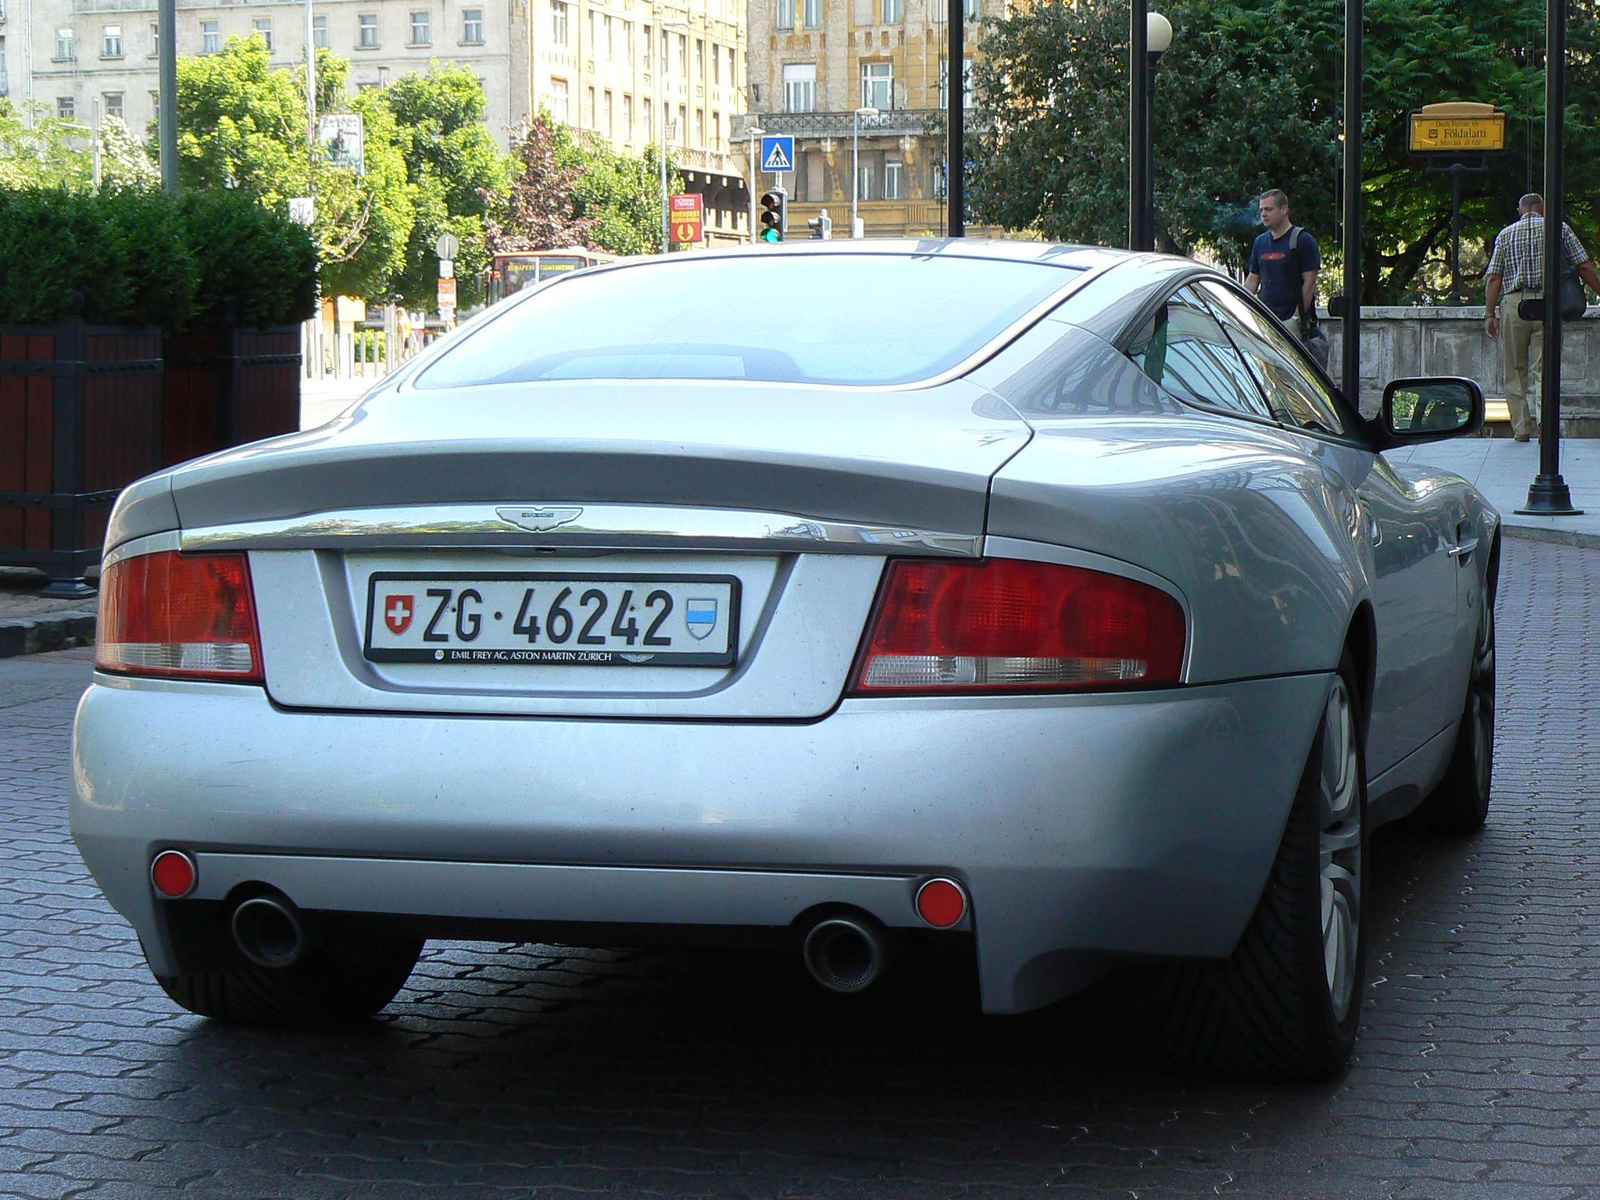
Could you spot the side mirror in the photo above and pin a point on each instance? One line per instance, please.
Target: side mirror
(1429, 410)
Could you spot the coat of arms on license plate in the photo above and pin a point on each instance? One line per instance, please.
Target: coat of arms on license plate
(700, 616)
(397, 613)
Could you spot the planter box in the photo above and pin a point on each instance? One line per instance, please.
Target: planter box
(80, 419)
(225, 386)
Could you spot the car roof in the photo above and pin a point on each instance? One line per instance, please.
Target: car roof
(1057, 254)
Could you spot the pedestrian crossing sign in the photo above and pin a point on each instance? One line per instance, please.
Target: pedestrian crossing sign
(777, 152)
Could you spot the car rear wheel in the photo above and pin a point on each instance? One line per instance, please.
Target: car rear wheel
(1286, 1004)
(346, 979)
(1460, 804)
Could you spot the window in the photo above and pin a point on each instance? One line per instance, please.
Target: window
(813, 13)
(699, 127)
(893, 11)
(683, 55)
(716, 66)
(66, 107)
(5, 79)
(627, 118)
(559, 102)
(800, 87)
(155, 39)
(689, 318)
(594, 32)
(263, 26)
(210, 38)
(421, 29)
(716, 131)
(111, 104)
(969, 9)
(558, 22)
(367, 25)
(647, 59)
(1183, 349)
(864, 181)
(877, 85)
(605, 115)
(589, 110)
(111, 41)
(733, 79)
(1295, 395)
(699, 59)
(683, 126)
(155, 106)
(66, 46)
(319, 32)
(893, 174)
(785, 14)
(966, 82)
(611, 40)
(627, 40)
(472, 26)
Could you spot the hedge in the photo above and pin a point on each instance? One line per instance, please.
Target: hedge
(150, 258)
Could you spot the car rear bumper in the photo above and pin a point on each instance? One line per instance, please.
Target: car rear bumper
(1084, 828)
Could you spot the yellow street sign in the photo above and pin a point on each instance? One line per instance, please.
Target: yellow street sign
(1469, 128)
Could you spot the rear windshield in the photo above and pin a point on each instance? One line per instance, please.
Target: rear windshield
(830, 318)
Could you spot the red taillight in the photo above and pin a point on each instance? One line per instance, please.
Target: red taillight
(183, 616)
(1010, 625)
(941, 903)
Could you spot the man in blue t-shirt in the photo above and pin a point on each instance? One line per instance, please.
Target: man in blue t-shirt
(1283, 262)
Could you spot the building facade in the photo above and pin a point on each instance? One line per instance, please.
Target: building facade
(615, 68)
(814, 63)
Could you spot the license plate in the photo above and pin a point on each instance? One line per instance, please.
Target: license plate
(554, 619)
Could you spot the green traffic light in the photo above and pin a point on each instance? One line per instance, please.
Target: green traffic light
(771, 235)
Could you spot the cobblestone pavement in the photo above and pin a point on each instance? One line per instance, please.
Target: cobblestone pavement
(517, 1071)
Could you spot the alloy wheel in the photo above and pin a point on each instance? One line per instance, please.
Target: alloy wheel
(1340, 847)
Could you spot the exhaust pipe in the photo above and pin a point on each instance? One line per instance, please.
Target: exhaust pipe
(843, 954)
(268, 931)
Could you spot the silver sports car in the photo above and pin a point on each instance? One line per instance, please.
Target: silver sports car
(1039, 604)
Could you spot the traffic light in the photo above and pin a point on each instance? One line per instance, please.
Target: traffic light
(774, 216)
(821, 227)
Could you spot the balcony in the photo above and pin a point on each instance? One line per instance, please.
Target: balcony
(901, 122)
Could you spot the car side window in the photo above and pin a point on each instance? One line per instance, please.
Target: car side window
(1297, 396)
(1183, 349)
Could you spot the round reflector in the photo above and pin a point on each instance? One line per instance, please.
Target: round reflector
(173, 874)
(941, 903)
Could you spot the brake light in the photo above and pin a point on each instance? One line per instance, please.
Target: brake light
(1010, 625)
(180, 616)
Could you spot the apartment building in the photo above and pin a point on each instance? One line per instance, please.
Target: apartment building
(616, 68)
(813, 63)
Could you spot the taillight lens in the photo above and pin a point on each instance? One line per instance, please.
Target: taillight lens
(181, 616)
(1007, 625)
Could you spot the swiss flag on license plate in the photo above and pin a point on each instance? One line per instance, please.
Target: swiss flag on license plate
(397, 613)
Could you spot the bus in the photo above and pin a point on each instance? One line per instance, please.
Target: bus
(510, 273)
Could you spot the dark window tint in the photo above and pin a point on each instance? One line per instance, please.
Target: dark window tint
(1184, 350)
(1297, 397)
(824, 318)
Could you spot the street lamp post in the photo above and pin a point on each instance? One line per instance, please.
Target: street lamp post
(661, 93)
(755, 132)
(1157, 40)
(855, 167)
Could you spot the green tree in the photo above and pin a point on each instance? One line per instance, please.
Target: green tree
(242, 126)
(620, 192)
(451, 163)
(1249, 97)
(48, 153)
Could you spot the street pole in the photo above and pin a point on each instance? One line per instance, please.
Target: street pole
(754, 133)
(1548, 495)
(1350, 347)
(855, 169)
(167, 81)
(955, 172)
(95, 109)
(1456, 171)
(1138, 120)
(311, 93)
(661, 92)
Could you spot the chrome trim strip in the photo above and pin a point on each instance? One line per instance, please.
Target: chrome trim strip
(596, 526)
(149, 544)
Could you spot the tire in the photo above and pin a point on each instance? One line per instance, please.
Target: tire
(1285, 1005)
(344, 980)
(1460, 804)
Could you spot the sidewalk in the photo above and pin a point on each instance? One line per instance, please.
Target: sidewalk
(1499, 467)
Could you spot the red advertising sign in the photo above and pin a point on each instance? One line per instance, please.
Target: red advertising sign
(687, 214)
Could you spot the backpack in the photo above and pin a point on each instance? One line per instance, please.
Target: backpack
(1311, 335)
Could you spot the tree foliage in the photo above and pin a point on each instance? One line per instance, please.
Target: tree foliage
(451, 162)
(1249, 97)
(46, 153)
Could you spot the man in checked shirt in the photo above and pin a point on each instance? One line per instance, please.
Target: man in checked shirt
(1516, 272)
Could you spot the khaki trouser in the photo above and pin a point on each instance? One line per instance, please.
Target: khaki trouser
(1516, 335)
